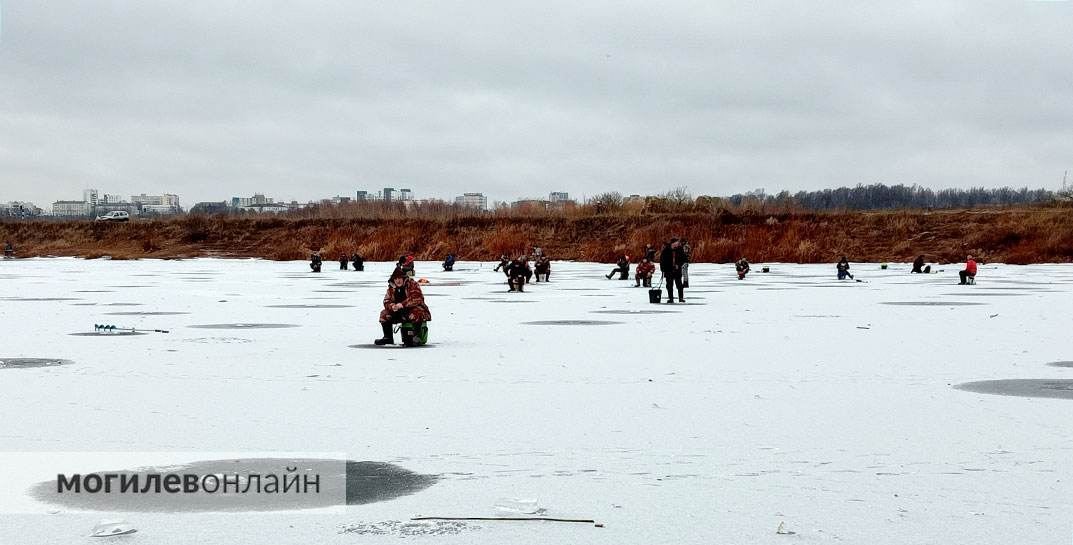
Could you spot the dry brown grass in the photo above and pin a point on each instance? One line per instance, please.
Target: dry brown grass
(1012, 235)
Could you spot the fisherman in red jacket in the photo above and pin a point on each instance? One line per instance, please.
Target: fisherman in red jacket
(403, 302)
(969, 272)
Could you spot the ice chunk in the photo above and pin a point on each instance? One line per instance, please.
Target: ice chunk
(517, 506)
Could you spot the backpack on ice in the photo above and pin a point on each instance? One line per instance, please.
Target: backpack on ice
(414, 334)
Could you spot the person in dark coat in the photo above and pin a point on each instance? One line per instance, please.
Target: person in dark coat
(403, 302)
(359, 262)
(843, 269)
(503, 262)
(518, 273)
(543, 268)
(449, 263)
(650, 253)
(315, 262)
(918, 265)
(9, 249)
(343, 260)
(742, 267)
(622, 267)
(671, 260)
(687, 250)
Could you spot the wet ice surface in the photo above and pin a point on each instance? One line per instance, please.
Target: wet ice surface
(709, 423)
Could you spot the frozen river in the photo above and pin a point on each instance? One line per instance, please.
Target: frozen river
(789, 397)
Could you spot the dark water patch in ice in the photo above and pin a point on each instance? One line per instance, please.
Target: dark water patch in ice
(1046, 388)
(42, 299)
(309, 306)
(29, 363)
(134, 313)
(931, 303)
(634, 311)
(341, 482)
(243, 326)
(396, 345)
(118, 333)
(572, 322)
(1061, 364)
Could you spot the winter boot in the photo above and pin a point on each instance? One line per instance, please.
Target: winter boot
(389, 338)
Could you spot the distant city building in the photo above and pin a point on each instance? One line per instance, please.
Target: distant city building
(406, 195)
(472, 200)
(210, 208)
(110, 199)
(89, 196)
(388, 194)
(363, 196)
(68, 209)
(340, 200)
(634, 198)
(556, 196)
(19, 209)
(529, 204)
(257, 199)
(156, 204)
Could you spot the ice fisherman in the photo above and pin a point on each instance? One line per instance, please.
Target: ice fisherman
(503, 262)
(9, 250)
(671, 259)
(687, 250)
(518, 273)
(315, 262)
(403, 302)
(449, 263)
(343, 259)
(742, 266)
(918, 265)
(359, 261)
(643, 273)
(622, 267)
(969, 272)
(406, 263)
(542, 268)
(843, 269)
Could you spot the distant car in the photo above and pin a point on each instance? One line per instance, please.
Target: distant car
(117, 215)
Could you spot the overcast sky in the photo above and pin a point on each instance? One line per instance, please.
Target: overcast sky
(304, 99)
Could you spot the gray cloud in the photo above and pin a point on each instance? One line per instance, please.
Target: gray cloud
(302, 100)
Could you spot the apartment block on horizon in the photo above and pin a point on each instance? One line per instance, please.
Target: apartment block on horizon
(472, 200)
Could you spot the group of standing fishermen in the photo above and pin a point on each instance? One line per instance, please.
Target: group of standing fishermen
(673, 261)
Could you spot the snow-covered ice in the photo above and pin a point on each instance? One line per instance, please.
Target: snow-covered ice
(789, 397)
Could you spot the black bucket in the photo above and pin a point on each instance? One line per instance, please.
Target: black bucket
(655, 296)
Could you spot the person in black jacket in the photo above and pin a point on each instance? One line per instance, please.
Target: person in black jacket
(359, 262)
(518, 273)
(503, 262)
(650, 253)
(543, 268)
(671, 260)
(918, 265)
(622, 267)
(315, 261)
(449, 263)
(343, 260)
(843, 269)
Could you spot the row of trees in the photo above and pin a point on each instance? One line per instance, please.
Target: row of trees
(885, 197)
